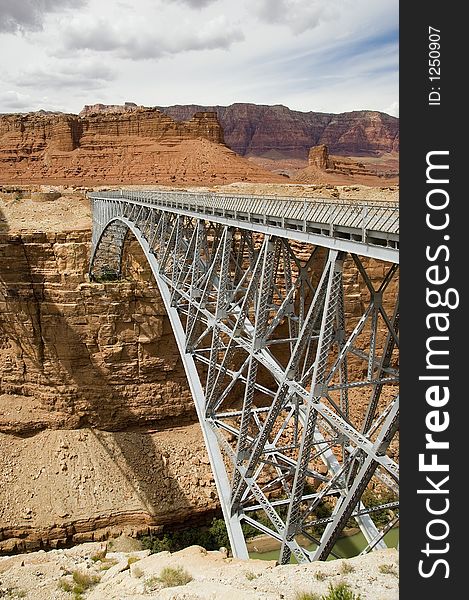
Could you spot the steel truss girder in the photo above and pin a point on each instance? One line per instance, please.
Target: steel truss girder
(285, 374)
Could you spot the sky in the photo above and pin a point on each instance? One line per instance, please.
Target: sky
(309, 55)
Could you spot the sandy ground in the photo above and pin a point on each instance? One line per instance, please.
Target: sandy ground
(71, 212)
(47, 575)
(385, 193)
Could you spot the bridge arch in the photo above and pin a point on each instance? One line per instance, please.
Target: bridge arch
(122, 226)
(234, 295)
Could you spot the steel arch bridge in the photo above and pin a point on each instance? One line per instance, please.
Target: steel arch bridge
(294, 378)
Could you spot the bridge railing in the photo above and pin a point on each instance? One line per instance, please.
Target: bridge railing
(371, 222)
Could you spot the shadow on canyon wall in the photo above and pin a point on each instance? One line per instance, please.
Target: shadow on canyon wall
(95, 397)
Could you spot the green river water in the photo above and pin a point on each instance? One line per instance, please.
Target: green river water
(346, 547)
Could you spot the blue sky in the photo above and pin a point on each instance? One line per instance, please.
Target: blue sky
(318, 55)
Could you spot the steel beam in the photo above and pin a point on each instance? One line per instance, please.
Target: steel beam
(275, 356)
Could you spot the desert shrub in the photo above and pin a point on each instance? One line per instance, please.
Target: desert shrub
(169, 577)
(341, 591)
(137, 572)
(388, 570)
(212, 537)
(219, 534)
(65, 585)
(346, 568)
(307, 596)
(172, 577)
(107, 563)
(97, 556)
(81, 583)
(371, 499)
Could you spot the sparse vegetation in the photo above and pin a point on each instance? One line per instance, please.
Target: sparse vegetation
(107, 563)
(388, 570)
(169, 577)
(137, 572)
(82, 582)
(172, 577)
(151, 584)
(250, 575)
(340, 591)
(65, 585)
(132, 559)
(12, 593)
(307, 596)
(371, 499)
(212, 537)
(346, 568)
(320, 576)
(97, 556)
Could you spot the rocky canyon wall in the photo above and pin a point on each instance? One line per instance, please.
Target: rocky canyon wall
(130, 146)
(97, 424)
(98, 432)
(277, 131)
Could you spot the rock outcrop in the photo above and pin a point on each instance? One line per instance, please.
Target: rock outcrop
(138, 145)
(98, 430)
(132, 574)
(319, 157)
(324, 168)
(276, 131)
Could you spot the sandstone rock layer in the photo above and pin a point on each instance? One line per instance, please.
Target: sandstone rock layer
(130, 146)
(277, 131)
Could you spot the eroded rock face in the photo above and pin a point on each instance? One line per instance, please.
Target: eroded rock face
(274, 131)
(319, 157)
(97, 354)
(135, 146)
(91, 375)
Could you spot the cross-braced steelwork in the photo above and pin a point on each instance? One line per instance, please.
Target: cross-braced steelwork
(288, 331)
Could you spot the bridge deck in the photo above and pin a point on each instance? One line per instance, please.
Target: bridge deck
(365, 228)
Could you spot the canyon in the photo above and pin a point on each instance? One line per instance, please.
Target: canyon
(98, 432)
(190, 145)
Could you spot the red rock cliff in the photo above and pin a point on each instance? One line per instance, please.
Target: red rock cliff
(106, 146)
(258, 130)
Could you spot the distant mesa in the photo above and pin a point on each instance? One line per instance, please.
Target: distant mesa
(279, 132)
(256, 130)
(194, 144)
(322, 167)
(89, 109)
(120, 144)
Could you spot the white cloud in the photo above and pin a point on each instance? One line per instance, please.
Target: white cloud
(137, 41)
(192, 3)
(29, 15)
(316, 55)
(12, 101)
(298, 15)
(61, 76)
